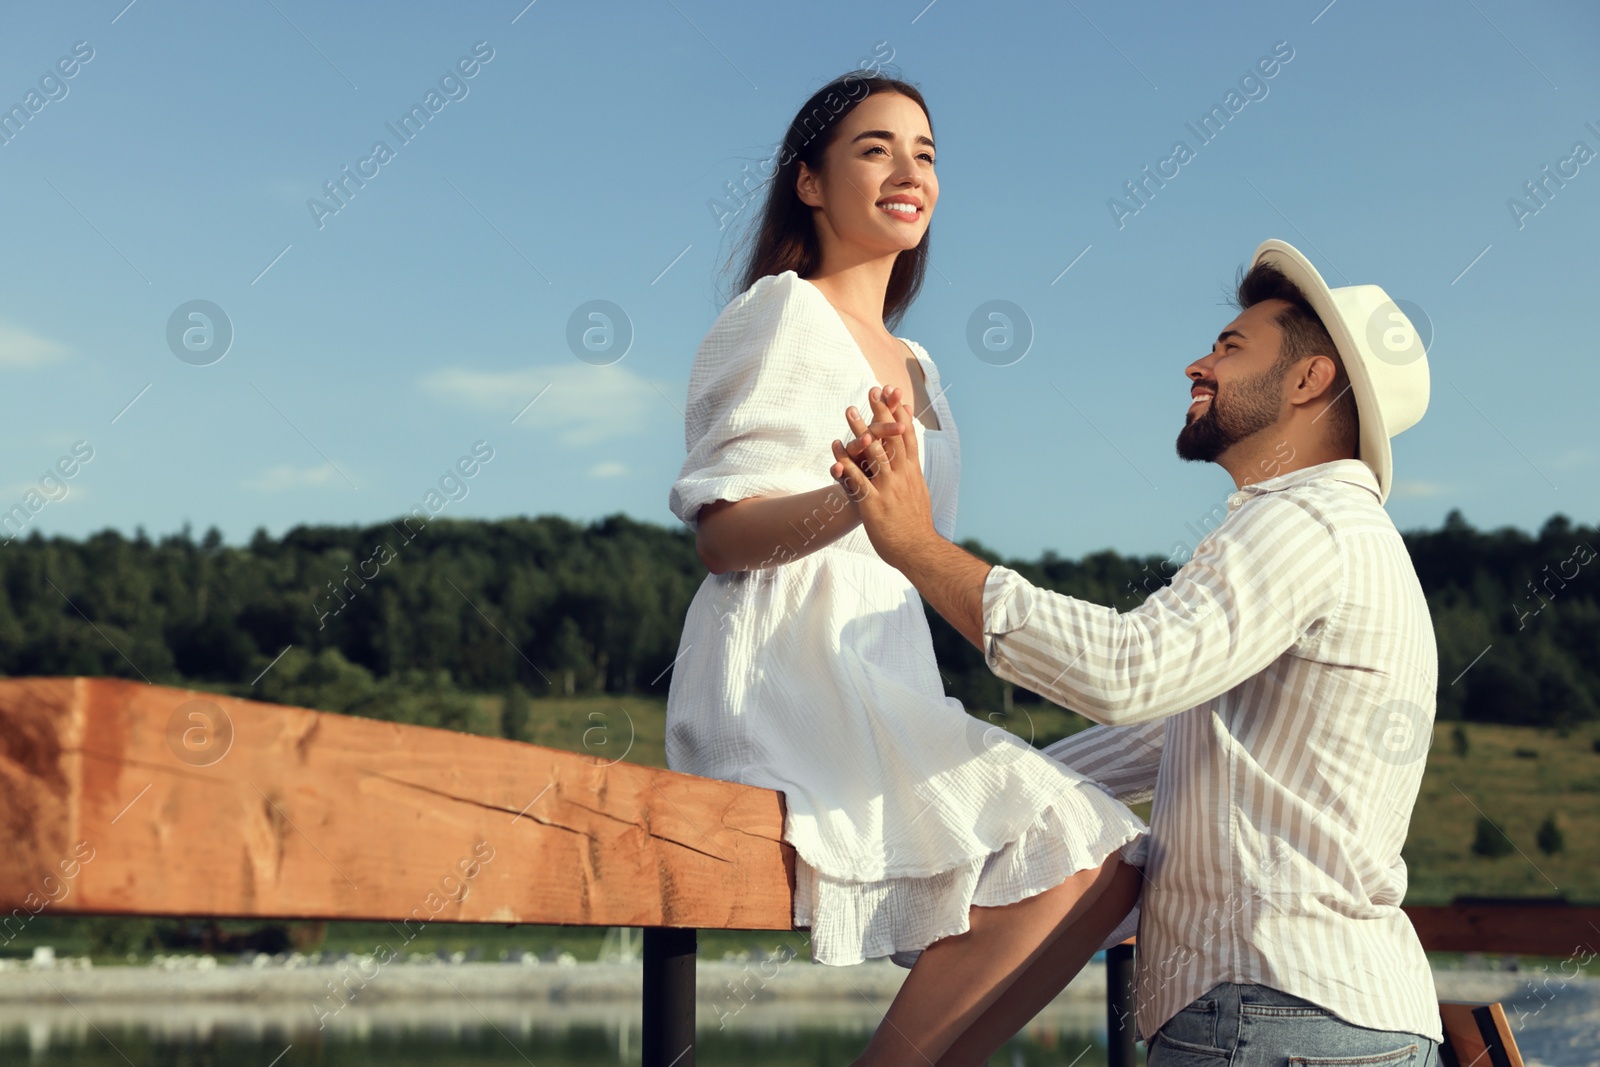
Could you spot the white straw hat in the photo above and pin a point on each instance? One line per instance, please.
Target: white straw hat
(1386, 360)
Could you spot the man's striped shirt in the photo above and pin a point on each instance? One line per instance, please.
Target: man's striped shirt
(1278, 699)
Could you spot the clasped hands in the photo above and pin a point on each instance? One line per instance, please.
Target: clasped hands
(881, 471)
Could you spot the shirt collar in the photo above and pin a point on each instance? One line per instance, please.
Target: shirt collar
(1352, 471)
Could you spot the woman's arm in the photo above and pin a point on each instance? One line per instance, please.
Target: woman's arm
(763, 531)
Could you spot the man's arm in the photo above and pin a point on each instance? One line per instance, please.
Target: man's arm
(951, 579)
(1253, 590)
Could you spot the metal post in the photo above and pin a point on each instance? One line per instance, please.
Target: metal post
(1119, 1006)
(668, 1030)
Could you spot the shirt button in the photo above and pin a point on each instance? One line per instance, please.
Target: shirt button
(1236, 500)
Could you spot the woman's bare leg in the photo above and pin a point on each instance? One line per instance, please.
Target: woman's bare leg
(1048, 975)
(957, 979)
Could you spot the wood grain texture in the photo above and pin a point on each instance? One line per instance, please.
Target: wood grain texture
(1532, 928)
(115, 800)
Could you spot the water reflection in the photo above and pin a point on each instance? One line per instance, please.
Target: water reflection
(488, 1030)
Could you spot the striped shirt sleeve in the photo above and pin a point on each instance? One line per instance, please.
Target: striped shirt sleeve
(1252, 590)
(1121, 759)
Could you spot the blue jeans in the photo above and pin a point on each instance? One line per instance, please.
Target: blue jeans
(1237, 1025)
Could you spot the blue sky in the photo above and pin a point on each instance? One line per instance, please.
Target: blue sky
(373, 346)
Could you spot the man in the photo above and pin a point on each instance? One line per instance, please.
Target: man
(1277, 698)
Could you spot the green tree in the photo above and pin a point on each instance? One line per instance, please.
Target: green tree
(473, 607)
(514, 714)
(1501, 691)
(111, 935)
(1550, 839)
(1490, 840)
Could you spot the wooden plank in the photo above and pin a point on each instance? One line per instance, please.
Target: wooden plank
(1496, 1031)
(1463, 1044)
(1478, 1035)
(1527, 927)
(125, 798)
(120, 797)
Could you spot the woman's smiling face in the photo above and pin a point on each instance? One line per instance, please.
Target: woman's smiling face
(877, 188)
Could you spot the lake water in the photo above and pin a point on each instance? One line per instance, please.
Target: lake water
(1556, 1023)
(408, 1034)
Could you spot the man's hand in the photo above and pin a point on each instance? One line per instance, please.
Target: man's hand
(893, 501)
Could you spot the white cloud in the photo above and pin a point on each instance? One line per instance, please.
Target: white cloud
(1406, 490)
(22, 348)
(1575, 457)
(17, 491)
(609, 469)
(580, 403)
(283, 476)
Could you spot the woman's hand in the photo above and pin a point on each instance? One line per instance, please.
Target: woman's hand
(885, 427)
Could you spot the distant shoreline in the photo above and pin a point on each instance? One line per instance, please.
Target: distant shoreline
(588, 981)
(716, 980)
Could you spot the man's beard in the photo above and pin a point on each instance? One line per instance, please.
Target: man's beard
(1251, 406)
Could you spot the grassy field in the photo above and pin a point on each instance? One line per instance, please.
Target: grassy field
(605, 726)
(1516, 776)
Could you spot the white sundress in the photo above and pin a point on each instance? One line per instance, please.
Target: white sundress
(817, 677)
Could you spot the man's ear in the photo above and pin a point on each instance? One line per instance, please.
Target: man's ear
(1316, 376)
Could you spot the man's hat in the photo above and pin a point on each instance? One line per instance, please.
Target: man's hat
(1384, 357)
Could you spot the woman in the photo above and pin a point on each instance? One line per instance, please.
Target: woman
(806, 663)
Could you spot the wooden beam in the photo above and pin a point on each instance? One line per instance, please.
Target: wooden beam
(118, 797)
(1525, 927)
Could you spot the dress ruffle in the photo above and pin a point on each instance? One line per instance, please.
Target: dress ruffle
(851, 922)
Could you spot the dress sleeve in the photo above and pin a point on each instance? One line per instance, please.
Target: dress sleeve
(754, 424)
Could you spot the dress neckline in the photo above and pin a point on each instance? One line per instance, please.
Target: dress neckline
(911, 346)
